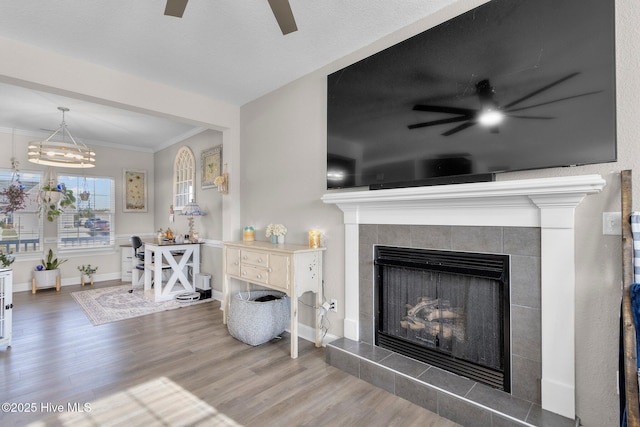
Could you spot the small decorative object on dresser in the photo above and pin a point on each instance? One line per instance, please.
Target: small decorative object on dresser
(314, 238)
(248, 234)
(276, 232)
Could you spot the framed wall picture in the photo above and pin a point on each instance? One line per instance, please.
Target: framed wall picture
(211, 161)
(134, 191)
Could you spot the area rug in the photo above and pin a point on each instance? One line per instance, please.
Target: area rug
(105, 305)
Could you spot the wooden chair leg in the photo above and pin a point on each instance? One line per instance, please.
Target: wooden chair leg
(58, 284)
(33, 285)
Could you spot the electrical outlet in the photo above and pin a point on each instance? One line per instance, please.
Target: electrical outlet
(333, 305)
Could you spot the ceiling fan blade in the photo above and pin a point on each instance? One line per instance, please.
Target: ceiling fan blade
(531, 117)
(282, 11)
(555, 100)
(175, 8)
(439, 122)
(542, 89)
(458, 128)
(442, 109)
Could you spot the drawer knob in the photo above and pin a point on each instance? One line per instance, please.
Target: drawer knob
(245, 257)
(259, 259)
(259, 276)
(236, 263)
(244, 273)
(270, 269)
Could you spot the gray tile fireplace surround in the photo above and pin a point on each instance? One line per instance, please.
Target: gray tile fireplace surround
(451, 396)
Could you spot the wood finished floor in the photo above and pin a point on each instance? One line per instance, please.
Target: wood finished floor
(58, 356)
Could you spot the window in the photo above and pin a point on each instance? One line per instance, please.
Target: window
(184, 170)
(90, 224)
(21, 231)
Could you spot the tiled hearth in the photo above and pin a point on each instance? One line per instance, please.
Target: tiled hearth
(533, 221)
(453, 397)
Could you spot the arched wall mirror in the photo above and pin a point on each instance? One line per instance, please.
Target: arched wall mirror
(184, 177)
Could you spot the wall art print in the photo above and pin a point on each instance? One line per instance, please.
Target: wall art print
(135, 190)
(211, 161)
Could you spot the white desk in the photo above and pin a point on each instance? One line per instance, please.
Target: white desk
(292, 269)
(179, 257)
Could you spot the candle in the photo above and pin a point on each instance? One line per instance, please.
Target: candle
(314, 238)
(248, 234)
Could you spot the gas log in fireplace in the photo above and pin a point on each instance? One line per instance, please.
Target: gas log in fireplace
(448, 309)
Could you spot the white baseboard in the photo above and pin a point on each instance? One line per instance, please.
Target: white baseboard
(68, 281)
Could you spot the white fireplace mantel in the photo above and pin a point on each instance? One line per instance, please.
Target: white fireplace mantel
(548, 203)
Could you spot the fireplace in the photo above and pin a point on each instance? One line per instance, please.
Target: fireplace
(449, 309)
(545, 204)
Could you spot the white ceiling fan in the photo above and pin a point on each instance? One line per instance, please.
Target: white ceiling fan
(281, 10)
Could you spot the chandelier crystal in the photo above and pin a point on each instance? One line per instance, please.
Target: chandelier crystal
(64, 153)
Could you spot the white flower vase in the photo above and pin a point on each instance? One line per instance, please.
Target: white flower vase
(274, 239)
(281, 239)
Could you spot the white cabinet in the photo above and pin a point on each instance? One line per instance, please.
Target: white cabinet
(127, 263)
(292, 269)
(6, 306)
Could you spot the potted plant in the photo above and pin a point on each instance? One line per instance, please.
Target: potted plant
(47, 274)
(6, 259)
(54, 199)
(87, 271)
(13, 197)
(276, 232)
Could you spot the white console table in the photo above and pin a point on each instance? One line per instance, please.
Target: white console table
(292, 269)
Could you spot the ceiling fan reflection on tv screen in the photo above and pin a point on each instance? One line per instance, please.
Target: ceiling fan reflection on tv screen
(510, 85)
(491, 113)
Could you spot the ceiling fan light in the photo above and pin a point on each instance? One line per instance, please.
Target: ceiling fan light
(490, 117)
(335, 175)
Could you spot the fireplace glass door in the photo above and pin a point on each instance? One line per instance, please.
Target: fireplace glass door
(448, 312)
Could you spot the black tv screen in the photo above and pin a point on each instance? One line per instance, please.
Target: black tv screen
(414, 113)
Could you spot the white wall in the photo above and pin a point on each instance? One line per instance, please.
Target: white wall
(283, 154)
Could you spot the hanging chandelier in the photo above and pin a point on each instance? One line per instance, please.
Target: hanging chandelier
(61, 153)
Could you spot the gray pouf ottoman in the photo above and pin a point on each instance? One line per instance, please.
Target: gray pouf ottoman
(254, 322)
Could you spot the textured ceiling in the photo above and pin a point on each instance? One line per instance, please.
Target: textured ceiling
(228, 50)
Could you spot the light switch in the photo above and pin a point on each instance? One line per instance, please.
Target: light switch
(612, 223)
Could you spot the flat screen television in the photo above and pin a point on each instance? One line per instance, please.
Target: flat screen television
(510, 85)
